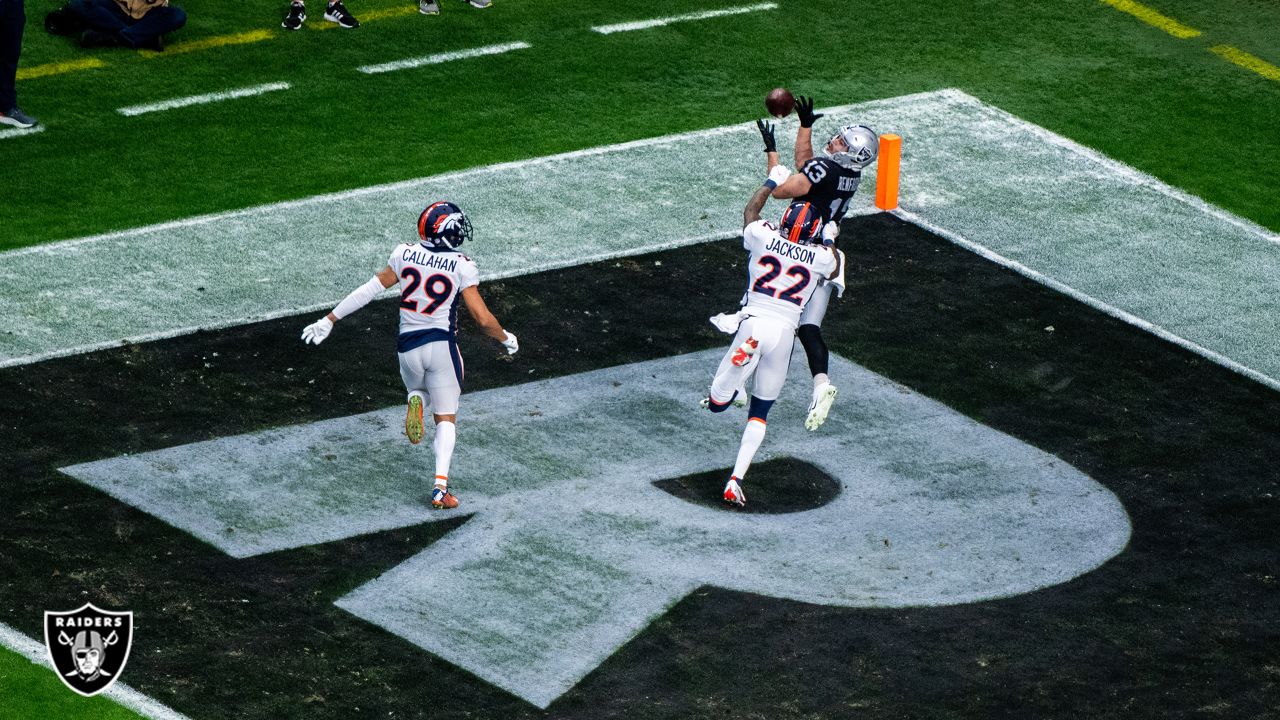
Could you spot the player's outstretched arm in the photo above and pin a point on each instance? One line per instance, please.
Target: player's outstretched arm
(317, 331)
(488, 323)
(751, 213)
(804, 135)
(795, 186)
(770, 144)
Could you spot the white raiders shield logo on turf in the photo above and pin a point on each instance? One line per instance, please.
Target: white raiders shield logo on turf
(88, 646)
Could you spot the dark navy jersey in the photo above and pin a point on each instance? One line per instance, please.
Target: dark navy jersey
(833, 187)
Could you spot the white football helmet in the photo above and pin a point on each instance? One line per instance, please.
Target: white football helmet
(854, 146)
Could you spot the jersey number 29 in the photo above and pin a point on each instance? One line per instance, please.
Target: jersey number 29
(437, 287)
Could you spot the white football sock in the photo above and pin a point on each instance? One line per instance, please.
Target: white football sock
(446, 435)
(751, 439)
(819, 380)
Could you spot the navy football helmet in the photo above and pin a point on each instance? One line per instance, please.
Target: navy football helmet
(443, 226)
(801, 223)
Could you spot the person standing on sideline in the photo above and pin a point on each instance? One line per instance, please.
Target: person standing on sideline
(432, 276)
(13, 18)
(335, 11)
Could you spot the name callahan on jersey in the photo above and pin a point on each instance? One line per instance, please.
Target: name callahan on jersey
(428, 259)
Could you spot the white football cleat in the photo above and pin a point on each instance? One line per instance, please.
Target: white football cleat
(733, 493)
(823, 396)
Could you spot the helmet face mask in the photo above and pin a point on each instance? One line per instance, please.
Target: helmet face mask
(443, 226)
(854, 146)
(801, 223)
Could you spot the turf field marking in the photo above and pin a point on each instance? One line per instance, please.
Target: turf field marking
(368, 17)
(1154, 18)
(38, 654)
(1089, 223)
(19, 132)
(571, 546)
(658, 22)
(1089, 300)
(58, 68)
(1247, 61)
(181, 102)
(443, 57)
(244, 38)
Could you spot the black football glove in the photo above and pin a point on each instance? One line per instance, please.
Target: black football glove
(804, 108)
(766, 134)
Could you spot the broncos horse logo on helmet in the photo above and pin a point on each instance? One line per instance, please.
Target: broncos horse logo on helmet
(801, 223)
(443, 226)
(854, 146)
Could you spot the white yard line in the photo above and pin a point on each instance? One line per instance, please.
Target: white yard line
(133, 110)
(37, 653)
(1089, 300)
(19, 132)
(443, 57)
(1077, 221)
(658, 22)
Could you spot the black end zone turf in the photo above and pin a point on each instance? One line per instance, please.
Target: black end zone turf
(1184, 623)
(781, 485)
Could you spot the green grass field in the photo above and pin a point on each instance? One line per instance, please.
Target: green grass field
(31, 691)
(1082, 69)
(1182, 623)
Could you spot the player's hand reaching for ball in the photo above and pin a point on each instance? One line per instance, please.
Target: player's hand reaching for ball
(766, 134)
(804, 109)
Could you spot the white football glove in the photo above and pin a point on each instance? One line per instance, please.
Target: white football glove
(316, 332)
(779, 174)
(728, 322)
(830, 232)
(511, 343)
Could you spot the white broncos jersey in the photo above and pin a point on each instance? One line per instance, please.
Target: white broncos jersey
(782, 274)
(430, 282)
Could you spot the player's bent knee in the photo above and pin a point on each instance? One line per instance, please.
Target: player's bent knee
(809, 334)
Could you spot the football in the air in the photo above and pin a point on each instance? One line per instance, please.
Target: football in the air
(779, 102)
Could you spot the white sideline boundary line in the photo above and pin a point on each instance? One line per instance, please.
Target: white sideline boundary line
(178, 332)
(19, 132)
(443, 57)
(38, 654)
(56, 246)
(1115, 312)
(658, 22)
(1137, 177)
(1128, 172)
(132, 110)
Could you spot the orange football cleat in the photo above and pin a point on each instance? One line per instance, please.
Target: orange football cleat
(442, 499)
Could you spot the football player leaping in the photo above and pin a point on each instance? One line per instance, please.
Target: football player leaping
(828, 182)
(786, 265)
(432, 275)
